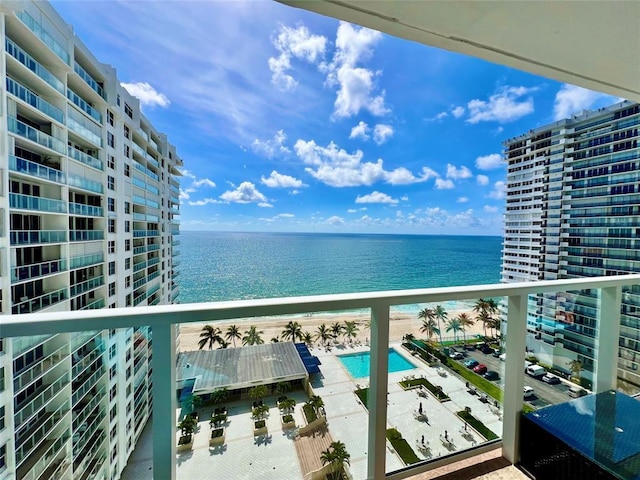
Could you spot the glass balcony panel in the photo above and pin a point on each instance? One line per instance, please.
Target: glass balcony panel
(87, 285)
(85, 235)
(43, 396)
(26, 95)
(42, 461)
(36, 170)
(87, 210)
(83, 127)
(40, 204)
(84, 158)
(37, 436)
(26, 272)
(86, 260)
(43, 35)
(89, 79)
(28, 61)
(99, 303)
(83, 105)
(85, 183)
(38, 369)
(37, 136)
(38, 303)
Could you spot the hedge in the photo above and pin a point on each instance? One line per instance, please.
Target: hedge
(309, 412)
(437, 392)
(401, 446)
(477, 425)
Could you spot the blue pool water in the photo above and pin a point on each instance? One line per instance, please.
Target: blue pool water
(359, 364)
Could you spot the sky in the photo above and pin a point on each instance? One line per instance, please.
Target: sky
(288, 121)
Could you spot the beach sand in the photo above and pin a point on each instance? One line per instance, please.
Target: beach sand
(400, 324)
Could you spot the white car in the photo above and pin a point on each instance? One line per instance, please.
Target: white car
(528, 391)
(503, 356)
(456, 355)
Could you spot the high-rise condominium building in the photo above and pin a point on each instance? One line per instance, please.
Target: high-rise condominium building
(88, 203)
(573, 210)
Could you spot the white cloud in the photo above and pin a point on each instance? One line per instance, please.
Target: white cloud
(206, 201)
(504, 106)
(458, 111)
(245, 193)
(490, 209)
(293, 43)
(482, 180)
(202, 182)
(184, 194)
(148, 96)
(499, 190)
(376, 197)
(438, 117)
(381, 133)
(571, 99)
(356, 88)
(360, 131)
(278, 217)
(335, 220)
(462, 199)
(336, 167)
(278, 180)
(265, 205)
(270, 148)
(351, 210)
(442, 184)
(458, 173)
(489, 162)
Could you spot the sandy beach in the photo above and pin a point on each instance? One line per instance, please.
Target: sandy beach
(400, 324)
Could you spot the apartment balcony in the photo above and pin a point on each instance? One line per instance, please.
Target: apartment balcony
(34, 135)
(85, 158)
(30, 305)
(41, 32)
(28, 272)
(86, 286)
(85, 184)
(36, 170)
(79, 102)
(28, 62)
(379, 462)
(29, 97)
(89, 80)
(85, 235)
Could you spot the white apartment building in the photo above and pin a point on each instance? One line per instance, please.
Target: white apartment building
(89, 199)
(573, 210)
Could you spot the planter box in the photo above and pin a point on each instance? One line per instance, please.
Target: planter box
(216, 440)
(287, 424)
(185, 443)
(259, 428)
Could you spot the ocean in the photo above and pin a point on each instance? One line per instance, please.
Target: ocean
(218, 266)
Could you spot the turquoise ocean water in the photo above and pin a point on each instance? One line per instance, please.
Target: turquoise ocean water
(232, 266)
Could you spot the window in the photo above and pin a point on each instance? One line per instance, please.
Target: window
(114, 430)
(3, 457)
(129, 428)
(127, 245)
(127, 281)
(112, 351)
(112, 372)
(127, 263)
(112, 246)
(1, 418)
(111, 182)
(118, 100)
(113, 305)
(127, 170)
(127, 207)
(127, 132)
(2, 379)
(128, 300)
(112, 289)
(112, 268)
(112, 333)
(127, 226)
(111, 140)
(127, 151)
(111, 162)
(111, 204)
(128, 358)
(128, 373)
(112, 225)
(113, 392)
(110, 117)
(113, 413)
(128, 110)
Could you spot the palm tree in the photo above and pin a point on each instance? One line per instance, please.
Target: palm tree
(307, 338)
(440, 314)
(465, 321)
(576, 368)
(316, 403)
(495, 325)
(220, 395)
(454, 325)
(336, 330)
(233, 332)
(283, 387)
(337, 456)
(323, 334)
(209, 335)
(485, 318)
(293, 332)
(252, 336)
(257, 392)
(430, 328)
(287, 404)
(350, 330)
(486, 309)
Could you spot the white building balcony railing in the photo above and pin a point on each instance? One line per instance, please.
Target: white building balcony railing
(162, 322)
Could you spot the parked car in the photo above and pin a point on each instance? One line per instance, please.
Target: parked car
(456, 355)
(535, 371)
(480, 369)
(486, 349)
(528, 391)
(496, 353)
(491, 375)
(575, 391)
(503, 357)
(551, 379)
(471, 363)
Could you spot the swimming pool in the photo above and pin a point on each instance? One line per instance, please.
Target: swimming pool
(359, 364)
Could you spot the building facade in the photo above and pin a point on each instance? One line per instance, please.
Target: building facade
(573, 210)
(89, 205)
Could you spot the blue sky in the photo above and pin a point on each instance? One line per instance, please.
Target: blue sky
(290, 121)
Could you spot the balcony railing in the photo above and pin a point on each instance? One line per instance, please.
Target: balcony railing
(85, 235)
(82, 209)
(34, 169)
(37, 136)
(27, 96)
(162, 322)
(84, 158)
(27, 272)
(44, 35)
(89, 79)
(38, 303)
(28, 61)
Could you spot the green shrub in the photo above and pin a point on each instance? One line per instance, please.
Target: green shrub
(260, 424)
(309, 412)
(436, 390)
(401, 446)
(532, 359)
(477, 425)
(483, 384)
(363, 394)
(287, 418)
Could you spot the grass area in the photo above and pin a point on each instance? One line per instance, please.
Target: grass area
(401, 446)
(363, 394)
(436, 390)
(309, 412)
(477, 425)
(482, 383)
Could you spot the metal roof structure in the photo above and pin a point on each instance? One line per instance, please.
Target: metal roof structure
(241, 367)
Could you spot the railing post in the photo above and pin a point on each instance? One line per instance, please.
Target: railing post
(377, 398)
(164, 402)
(514, 376)
(607, 338)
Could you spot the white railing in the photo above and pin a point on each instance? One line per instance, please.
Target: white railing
(162, 321)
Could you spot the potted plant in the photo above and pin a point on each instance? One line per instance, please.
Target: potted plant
(217, 437)
(187, 427)
(287, 421)
(259, 427)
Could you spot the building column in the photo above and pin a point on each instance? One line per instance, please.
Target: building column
(607, 338)
(377, 398)
(164, 402)
(514, 376)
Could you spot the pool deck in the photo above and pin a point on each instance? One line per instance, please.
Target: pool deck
(244, 456)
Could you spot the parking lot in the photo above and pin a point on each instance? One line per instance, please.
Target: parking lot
(545, 394)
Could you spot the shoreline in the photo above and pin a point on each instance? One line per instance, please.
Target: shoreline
(400, 323)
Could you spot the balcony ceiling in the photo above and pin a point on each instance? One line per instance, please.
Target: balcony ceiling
(593, 44)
